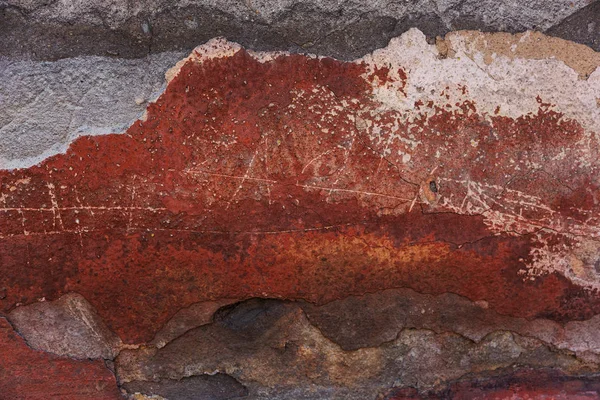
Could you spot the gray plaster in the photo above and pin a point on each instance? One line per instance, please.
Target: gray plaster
(45, 105)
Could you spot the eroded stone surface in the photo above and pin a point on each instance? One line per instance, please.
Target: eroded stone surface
(582, 26)
(523, 384)
(272, 348)
(349, 29)
(203, 387)
(373, 319)
(32, 374)
(196, 315)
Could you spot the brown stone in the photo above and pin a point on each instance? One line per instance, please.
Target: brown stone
(68, 326)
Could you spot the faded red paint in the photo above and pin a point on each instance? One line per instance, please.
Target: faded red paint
(30, 374)
(242, 182)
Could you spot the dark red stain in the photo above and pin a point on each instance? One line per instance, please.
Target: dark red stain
(242, 182)
(35, 375)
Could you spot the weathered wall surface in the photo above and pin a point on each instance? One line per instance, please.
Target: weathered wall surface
(421, 222)
(71, 68)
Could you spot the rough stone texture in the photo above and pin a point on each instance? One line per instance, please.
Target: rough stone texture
(344, 29)
(196, 315)
(272, 348)
(524, 384)
(418, 223)
(45, 105)
(373, 319)
(68, 326)
(582, 26)
(35, 375)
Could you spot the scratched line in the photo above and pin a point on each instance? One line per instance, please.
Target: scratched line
(193, 172)
(245, 177)
(130, 222)
(315, 159)
(86, 208)
(321, 228)
(55, 207)
(330, 189)
(208, 231)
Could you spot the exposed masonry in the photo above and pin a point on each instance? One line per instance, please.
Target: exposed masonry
(341, 29)
(275, 352)
(432, 339)
(269, 11)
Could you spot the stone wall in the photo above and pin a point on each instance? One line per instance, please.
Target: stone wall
(335, 200)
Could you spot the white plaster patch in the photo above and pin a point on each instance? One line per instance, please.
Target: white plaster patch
(511, 85)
